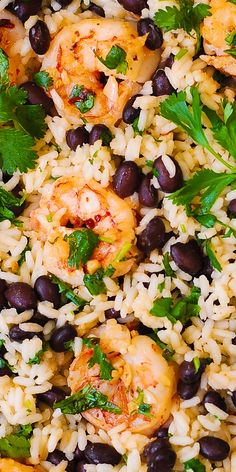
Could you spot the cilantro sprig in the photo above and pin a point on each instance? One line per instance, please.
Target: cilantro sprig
(43, 79)
(188, 16)
(82, 244)
(99, 358)
(86, 399)
(115, 59)
(66, 290)
(182, 310)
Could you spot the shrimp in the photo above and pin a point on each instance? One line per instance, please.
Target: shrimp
(215, 29)
(73, 60)
(139, 369)
(10, 465)
(82, 203)
(11, 31)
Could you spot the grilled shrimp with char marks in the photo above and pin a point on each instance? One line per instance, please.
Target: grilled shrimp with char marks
(138, 367)
(87, 204)
(72, 60)
(215, 30)
(11, 31)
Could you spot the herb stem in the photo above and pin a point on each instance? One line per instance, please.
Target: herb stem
(220, 159)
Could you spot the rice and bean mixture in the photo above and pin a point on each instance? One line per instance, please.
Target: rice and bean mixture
(117, 236)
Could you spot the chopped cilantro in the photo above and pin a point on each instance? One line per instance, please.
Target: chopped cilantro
(94, 282)
(115, 59)
(197, 364)
(15, 446)
(8, 201)
(65, 289)
(38, 356)
(82, 98)
(214, 261)
(167, 351)
(43, 79)
(136, 128)
(99, 358)
(161, 286)
(82, 244)
(86, 399)
(122, 252)
(182, 310)
(69, 345)
(167, 267)
(4, 66)
(194, 465)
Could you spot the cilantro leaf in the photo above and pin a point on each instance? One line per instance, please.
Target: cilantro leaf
(31, 119)
(135, 127)
(231, 39)
(211, 182)
(38, 356)
(195, 465)
(145, 409)
(182, 310)
(99, 358)
(82, 244)
(65, 289)
(167, 351)
(4, 66)
(224, 132)
(43, 79)
(214, 261)
(94, 282)
(176, 109)
(86, 399)
(82, 98)
(188, 16)
(15, 446)
(115, 59)
(197, 364)
(7, 201)
(16, 151)
(167, 267)
(231, 52)
(25, 430)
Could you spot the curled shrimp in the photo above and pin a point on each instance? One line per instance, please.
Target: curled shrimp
(215, 30)
(72, 60)
(139, 368)
(81, 203)
(11, 31)
(13, 466)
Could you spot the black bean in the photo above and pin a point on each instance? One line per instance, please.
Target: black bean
(187, 256)
(162, 433)
(100, 132)
(207, 268)
(38, 96)
(152, 237)
(168, 62)
(135, 6)
(24, 9)
(61, 336)
(80, 466)
(96, 9)
(52, 396)
(99, 453)
(232, 208)
(3, 287)
(155, 446)
(147, 193)
(56, 457)
(77, 137)
(161, 84)
(187, 391)
(5, 370)
(39, 319)
(168, 184)
(39, 37)
(234, 398)
(17, 192)
(126, 179)
(21, 296)
(142, 329)
(47, 290)
(163, 461)
(78, 454)
(112, 313)
(154, 35)
(187, 372)
(129, 112)
(17, 334)
(214, 449)
(234, 341)
(64, 3)
(216, 399)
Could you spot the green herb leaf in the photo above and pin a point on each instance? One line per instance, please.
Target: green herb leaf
(224, 132)
(65, 289)
(214, 261)
(136, 129)
(231, 52)
(82, 98)
(94, 282)
(168, 351)
(16, 151)
(167, 267)
(69, 345)
(82, 244)
(197, 364)
(43, 79)
(15, 446)
(25, 430)
(115, 59)
(231, 39)
(145, 409)
(195, 465)
(86, 399)
(182, 52)
(4, 67)
(38, 356)
(182, 310)
(99, 358)
(31, 119)
(8, 201)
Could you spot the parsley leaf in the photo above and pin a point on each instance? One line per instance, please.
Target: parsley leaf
(43, 79)
(94, 282)
(182, 310)
(86, 399)
(167, 267)
(82, 244)
(15, 446)
(82, 98)
(99, 358)
(176, 109)
(115, 59)
(65, 289)
(195, 465)
(214, 261)
(16, 151)
(188, 16)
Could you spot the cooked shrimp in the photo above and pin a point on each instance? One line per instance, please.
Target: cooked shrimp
(84, 203)
(215, 29)
(138, 367)
(72, 60)
(9, 465)
(11, 31)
